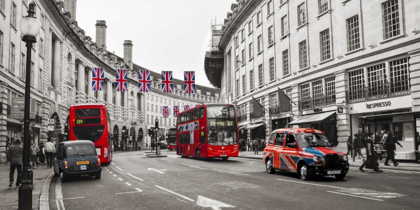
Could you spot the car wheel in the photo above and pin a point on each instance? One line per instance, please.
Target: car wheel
(63, 176)
(225, 158)
(98, 175)
(269, 166)
(197, 155)
(304, 173)
(340, 176)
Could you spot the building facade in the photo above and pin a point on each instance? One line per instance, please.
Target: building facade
(62, 59)
(348, 66)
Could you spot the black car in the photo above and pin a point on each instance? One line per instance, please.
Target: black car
(76, 158)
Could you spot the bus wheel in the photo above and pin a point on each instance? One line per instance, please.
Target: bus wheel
(225, 158)
(197, 155)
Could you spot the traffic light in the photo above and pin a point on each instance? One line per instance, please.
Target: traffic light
(149, 132)
(156, 123)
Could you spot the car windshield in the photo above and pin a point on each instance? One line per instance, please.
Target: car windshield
(222, 137)
(312, 140)
(80, 150)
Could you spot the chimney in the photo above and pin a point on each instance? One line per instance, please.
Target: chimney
(101, 33)
(70, 6)
(128, 53)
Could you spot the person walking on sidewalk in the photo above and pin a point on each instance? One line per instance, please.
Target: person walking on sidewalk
(16, 152)
(350, 147)
(255, 146)
(371, 157)
(248, 142)
(49, 150)
(357, 144)
(390, 147)
(34, 157)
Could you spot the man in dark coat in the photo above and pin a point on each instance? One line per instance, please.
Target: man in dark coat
(390, 147)
(350, 147)
(16, 153)
(371, 157)
(357, 146)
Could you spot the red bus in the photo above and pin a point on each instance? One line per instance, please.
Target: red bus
(171, 139)
(92, 122)
(208, 131)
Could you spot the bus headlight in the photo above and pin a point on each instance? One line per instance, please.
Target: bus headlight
(105, 152)
(345, 158)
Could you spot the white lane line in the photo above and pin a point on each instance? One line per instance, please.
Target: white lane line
(127, 192)
(110, 172)
(120, 179)
(59, 195)
(113, 163)
(119, 168)
(58, 204)
(139, 190)
(128, 184)
(74, 198)
(115, 175)
(231, 172)
(192, 166)
(135, 177)
(398, 177)
(186, 198)
(355, 196)
(307, 183)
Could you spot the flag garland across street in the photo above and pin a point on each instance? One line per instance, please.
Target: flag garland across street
(98, 78)
(121, 80)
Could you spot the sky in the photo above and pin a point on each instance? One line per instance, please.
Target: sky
(170, 35)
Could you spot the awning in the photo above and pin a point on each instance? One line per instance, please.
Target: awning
(312, 118)
(255, 126)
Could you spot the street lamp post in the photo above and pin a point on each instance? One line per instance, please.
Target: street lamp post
(29, 27)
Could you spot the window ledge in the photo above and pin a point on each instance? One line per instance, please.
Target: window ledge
(271, 14)
(260, 86)
(326, 61)
(243, 64)
(354, 51)
(392, 38)
(285, 2)
(345, 2)
(4, 16)
(322, 14)
(250, 33)
(272, 44)
(258, 25)
(301, 26)
(252, 58)
(305, 68)
(242, 40)
(259, 52)
(12, 26)
(285, 36)
(274, 80)
(285, 76)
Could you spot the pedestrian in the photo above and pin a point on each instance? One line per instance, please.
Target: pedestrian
(248, 142)
(350, 147)
(371, 161)
(16, 152)
(390, 147)
(357, 145)
(255, 147)
(41, 153)
(34, 158)
(49, 150)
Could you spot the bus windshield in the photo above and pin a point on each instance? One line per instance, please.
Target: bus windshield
(227, 111)
(88, 112)
(92, 133)
(312, 140)
(222, 137)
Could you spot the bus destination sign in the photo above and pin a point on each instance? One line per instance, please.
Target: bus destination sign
(80, 121)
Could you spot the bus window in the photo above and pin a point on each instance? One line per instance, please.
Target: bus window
(201, 112)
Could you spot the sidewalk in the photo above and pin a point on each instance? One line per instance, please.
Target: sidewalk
(403, 166)
(9, 196)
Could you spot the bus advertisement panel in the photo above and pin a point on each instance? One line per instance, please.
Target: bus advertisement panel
(92, 122)
(208, 131)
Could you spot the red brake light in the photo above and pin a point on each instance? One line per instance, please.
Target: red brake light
(309, 130)
(99, 162)
(66, 166)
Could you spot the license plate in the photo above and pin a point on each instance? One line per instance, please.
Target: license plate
(223, 155)
(334, 172)
(83, 168)
(82, 162)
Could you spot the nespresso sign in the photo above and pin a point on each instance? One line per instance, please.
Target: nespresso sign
(378, 104)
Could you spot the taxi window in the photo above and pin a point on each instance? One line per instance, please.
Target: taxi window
(279, 139)
(290, 141)
(272, 138)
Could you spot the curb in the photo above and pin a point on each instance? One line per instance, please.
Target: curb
(44, 203)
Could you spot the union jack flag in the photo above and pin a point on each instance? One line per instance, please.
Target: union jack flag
(121, 80)
(144, 81)
(176, 111)
(167, 85)
(186, 107)
(98, 77)
(189, 82)
(165, 111)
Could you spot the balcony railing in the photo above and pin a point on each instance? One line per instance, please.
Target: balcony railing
(381, 90)
(319, 101)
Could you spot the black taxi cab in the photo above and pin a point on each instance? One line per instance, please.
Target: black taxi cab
(304, 151)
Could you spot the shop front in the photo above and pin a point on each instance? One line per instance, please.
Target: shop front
(280, 123)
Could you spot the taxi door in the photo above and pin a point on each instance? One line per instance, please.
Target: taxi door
(289, 154)
(268, 150)
(278, 150)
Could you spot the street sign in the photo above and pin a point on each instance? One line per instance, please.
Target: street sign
(18, 108)
(51, 123)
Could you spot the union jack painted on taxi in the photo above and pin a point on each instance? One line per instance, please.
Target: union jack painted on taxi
(167, 85)
(176, 111)
(98, 78)
(165, 111)
(144, 81)
(189, 82)
(121, 80)
(186, 107)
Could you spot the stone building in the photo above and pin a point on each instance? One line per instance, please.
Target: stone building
(349, 66)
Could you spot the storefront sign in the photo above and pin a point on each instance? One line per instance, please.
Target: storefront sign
(378, 104)
(402, 102)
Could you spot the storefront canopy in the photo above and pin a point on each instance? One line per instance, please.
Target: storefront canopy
(312, 118)
(254, 126)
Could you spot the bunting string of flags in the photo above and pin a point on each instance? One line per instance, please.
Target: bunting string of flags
(189, 82)
(165, 111)
(186, 107)
(98, 78)
(144, 81)
(167, 85)
(121, 80)
(176, 111)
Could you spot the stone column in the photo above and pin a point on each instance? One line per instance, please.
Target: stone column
(3, 121)
(117, 107)
(415, 79)
(56, 68)
(90, 95)
(343, 119)
(295, 106)
(80, 94)
(109, 94)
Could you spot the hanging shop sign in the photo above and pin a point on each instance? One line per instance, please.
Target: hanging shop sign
(381, 105)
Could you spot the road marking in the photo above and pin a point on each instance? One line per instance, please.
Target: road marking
(113, 163)
(355, 196)
(139, 190)
(58, 204)
(59, 195)
(128, 184)
(110, 172)
(74, 198)
(192, 166)
(119, 168)
(115, 175)
(135, 177)
(156, 170)
(210, 203)
(120, 179)
(232, 172)
(370, 193)
(127, 192)
(186, 198)
(308, 183)
(398, 177)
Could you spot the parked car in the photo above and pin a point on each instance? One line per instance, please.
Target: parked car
(76, 158)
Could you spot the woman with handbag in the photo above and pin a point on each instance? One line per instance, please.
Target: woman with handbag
(371, 161)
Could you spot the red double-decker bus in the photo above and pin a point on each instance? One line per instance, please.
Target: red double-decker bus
(171, 139)
(208, 131)
(92, 122)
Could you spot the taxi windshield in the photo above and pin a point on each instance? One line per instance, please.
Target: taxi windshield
(312, 140)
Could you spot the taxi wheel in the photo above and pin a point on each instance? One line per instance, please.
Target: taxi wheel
(63, 176)
(98, 175)
(269, 167)
(304, 172)
(340, 176)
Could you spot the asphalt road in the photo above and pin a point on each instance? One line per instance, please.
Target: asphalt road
(134, 181)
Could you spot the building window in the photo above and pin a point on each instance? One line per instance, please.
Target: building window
(259, 18)
(13, 15)
(273, 100)
(147, 119)
(156, 110)
(242, 34)
(40, 82)
(1, 46)
(243, 84)
(251, 79)
(356, 84)
(272, 69)
(330, 90)
(325, 44)
(152, 107)
(353, 33)
(251, 50)
(270, 35)
(260, 75)
(376, 79)
(236, 62)
(317, 93)
(284, 26)
(236, 40)
(301, 14)
(2, 4)
(42, 21)
(260, 44)
(285, 55)
(305, 92)
(12, 58)
(250, 26)
(243, 57)
(269, 7)
(41, 47)
(237, 88)
(32, 74)
(400, 76)
(322, 6)
(303, 54)
(391, 19)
